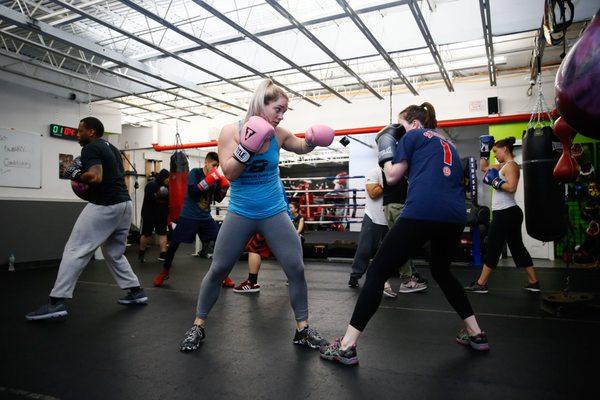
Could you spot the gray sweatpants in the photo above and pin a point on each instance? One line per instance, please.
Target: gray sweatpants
(284, 243)
(96, 226)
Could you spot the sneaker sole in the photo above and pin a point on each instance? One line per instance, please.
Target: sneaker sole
(189, 348)
(306, 344)
(160, 259)
(462, 342)
(532, 290)
(345, 361)
(142, 300)
(412, 290)
(246, 290)
(54, 315)
(479, 347)
(477, 291)
(390, 296)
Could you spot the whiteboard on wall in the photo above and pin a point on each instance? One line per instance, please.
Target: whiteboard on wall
(20, 159)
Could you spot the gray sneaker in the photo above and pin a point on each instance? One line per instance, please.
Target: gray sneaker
(475, 287)
(411, 286)
(137, 297)
(48, 311)
(192, 339)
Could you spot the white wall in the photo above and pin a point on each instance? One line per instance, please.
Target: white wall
(28, 110)
(366, 110)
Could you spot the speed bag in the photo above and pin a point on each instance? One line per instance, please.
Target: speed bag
(545, 210)
(177, 183)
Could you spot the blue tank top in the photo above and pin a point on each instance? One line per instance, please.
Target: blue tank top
(257, 192)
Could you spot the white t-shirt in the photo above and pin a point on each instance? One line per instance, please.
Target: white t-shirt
(374, 208)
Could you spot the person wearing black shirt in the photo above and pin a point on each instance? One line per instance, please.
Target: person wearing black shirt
(104, 222)
(155, 210)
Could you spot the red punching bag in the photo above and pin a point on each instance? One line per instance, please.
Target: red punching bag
(566, 169)
(177, 183)
(577, 82)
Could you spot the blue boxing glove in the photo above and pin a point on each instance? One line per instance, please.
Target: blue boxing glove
(486, 142)
(492, 178)
(75, 170)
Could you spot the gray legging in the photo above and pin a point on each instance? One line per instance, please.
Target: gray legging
(283, 241)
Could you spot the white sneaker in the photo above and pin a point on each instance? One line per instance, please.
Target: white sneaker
(411, 286)
(389, 292)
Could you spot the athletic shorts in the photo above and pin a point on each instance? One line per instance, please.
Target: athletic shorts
(258, 244)
(154, 222)
(187, 229)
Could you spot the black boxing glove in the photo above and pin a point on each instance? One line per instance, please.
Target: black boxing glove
(386, 140)
(75, 170)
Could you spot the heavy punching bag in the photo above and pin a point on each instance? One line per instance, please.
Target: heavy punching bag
(545, 210)
(577, 82)
(177, 183)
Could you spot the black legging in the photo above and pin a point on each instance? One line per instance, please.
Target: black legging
(506, 227)
(173, 246)
(402, 242)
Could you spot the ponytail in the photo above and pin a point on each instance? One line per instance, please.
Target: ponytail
(425, 113)
(265, 93)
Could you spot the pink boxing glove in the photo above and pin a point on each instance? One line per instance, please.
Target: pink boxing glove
(253, 135)
(319, 135)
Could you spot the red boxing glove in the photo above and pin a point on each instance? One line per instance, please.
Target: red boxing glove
(213, 177)
(224, 183)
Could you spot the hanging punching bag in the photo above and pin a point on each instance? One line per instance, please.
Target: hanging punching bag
(545, 211)
(177, 184)
(577, 82)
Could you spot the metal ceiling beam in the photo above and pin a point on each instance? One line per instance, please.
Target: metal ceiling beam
(54, 83)
(145, 42)
(112, 72)
(85, 79)
(422, 24)
(298, 25)
(267, 47)
(384, 54)
(379, 7)
(23, 21)
(486, 23)
(210, 47)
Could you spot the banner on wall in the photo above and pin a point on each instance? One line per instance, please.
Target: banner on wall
(64, 160)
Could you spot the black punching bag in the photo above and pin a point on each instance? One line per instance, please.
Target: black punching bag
(545, 210)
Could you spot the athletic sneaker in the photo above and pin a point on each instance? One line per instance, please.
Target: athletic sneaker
(412, 286)
(477, 342)
(228, 282)
(137, 297)
(420, 279)
(309, 337)
(193, 338)
(353, 282)
(48, 311)
(389, 292)
(533, 287)
(247, 287)
(161, 278)
(334, 352)
(475, 287)
(162, 256)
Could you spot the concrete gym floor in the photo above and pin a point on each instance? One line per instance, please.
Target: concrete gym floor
(107, 351)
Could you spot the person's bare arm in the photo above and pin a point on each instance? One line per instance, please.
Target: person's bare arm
(92, 176)
(291, 142)
(511, 176)
(395, 172)
(374, 190)
(228, 141)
